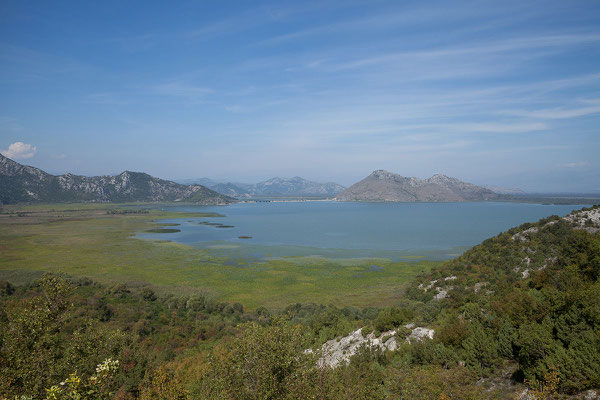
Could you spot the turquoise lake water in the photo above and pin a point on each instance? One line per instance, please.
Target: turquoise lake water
(350, 230)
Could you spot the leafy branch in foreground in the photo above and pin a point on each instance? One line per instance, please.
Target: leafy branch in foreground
(100, 386)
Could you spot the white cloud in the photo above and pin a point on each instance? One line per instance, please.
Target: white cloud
(19, 150)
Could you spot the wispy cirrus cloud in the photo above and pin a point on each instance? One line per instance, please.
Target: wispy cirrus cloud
(9, 124)
(181, 89)
(555, 113)
(405, 17)
(106, 98)
(22, 64)
(515, 47)
(575, 165)
(140, 42)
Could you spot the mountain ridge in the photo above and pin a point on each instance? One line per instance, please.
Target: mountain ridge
(385, 186)
(295, 186)
(23, 183)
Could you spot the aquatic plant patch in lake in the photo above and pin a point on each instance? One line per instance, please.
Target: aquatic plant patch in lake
(163, 230)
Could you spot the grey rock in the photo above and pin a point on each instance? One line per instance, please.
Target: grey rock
(337, 352)
(588, 220)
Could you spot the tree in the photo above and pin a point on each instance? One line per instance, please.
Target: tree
(99, 386)
(261, 362)
(29, 353)
(480, 348)
(162, 385)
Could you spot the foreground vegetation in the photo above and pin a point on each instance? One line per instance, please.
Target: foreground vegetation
(61, 337)
(520, 310)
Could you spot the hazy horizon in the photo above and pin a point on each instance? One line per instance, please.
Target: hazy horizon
(493, 94)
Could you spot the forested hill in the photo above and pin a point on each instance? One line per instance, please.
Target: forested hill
(21, 183)
(531, 295)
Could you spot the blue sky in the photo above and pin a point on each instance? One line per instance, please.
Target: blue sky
(501, 93)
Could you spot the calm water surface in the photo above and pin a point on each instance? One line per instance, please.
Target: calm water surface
(338, 229)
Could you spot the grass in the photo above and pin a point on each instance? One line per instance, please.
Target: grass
(83, 240)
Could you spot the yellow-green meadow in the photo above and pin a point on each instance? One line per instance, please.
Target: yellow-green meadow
(97, 241)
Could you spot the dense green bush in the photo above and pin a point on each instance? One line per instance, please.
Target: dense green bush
(390, 318)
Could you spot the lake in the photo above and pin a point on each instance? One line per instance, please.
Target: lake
(351, 229)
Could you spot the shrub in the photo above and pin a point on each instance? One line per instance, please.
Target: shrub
(390, 318)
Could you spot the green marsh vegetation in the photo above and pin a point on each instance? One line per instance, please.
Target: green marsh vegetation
(88, 240)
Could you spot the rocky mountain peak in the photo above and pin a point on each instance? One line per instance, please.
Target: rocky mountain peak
(7, 165)
(383, 185)
(382, 174)
(442, 179)
(128, 174)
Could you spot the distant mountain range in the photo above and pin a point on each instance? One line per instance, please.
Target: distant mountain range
(275, 187)
(503, 190)
(199, 181)
(382, 185)
(21, 183)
